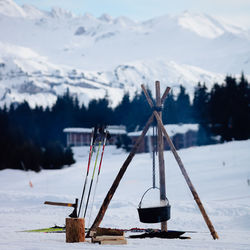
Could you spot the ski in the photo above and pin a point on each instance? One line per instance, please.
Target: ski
(55, 229)
(59, 229)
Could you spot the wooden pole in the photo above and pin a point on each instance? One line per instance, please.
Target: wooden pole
(160, 155)
(183, 170)
(118, 178)
(164, 96)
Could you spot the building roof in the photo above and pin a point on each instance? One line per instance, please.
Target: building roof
(115, 130)
(118, 130)
(172, 129)
(77, 130)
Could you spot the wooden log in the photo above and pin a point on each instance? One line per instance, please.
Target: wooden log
(75, 230)
(160, 155)
(109, 231)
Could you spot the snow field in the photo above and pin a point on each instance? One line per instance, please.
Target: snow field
(218, 172)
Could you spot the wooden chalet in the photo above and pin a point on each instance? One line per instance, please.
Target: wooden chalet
(182, 135)
(82, 136)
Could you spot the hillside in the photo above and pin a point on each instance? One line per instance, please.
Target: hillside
(44, 53)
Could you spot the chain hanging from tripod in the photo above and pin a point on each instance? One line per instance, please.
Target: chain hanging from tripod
(154, 151)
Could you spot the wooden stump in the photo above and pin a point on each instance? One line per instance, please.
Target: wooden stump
(75, 230)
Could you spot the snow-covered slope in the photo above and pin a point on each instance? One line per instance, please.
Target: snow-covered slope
(220, 174)
(205, 25)
(110, 55)
(11, 9)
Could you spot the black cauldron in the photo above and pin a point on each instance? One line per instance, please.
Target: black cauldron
(154, 214)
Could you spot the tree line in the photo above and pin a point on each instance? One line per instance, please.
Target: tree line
(35, 136)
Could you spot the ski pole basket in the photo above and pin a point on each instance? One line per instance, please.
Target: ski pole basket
(153, 214)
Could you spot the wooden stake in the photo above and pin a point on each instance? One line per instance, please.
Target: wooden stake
(183, 170)
(160, 155)
(164, 96)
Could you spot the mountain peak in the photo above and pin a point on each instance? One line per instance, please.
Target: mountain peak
(32, 12)
(200, 24)
(58, 12)
(204, 25)
(10, 8)
(124, 21)
(106, 18)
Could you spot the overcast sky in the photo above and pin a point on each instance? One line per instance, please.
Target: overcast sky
(235, 11)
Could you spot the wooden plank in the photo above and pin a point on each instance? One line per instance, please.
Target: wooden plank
(113, 242)
(118, 178)
(108, 237)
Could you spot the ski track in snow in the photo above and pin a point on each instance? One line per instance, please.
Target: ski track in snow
(218, 172)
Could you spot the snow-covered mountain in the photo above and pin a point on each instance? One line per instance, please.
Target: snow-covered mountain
(44, 53)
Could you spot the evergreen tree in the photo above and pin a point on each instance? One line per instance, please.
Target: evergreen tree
(200, 104)
(35, 136)
(122, 110)
(62, 115)
(183, 107)
(169, 113)
(82, 117)
(53, 156)
(99, 112)
(68, 157)
(230, 112)
(139, 112)
(241, 117)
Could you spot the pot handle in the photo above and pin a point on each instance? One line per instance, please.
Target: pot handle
(146, 192)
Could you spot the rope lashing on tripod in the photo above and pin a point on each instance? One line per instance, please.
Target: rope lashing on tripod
(157, 108)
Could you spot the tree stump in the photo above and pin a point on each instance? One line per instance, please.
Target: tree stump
(75, 230)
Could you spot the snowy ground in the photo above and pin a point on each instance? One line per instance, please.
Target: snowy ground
(219, 173)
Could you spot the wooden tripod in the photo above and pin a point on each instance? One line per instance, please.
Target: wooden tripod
(162, 130)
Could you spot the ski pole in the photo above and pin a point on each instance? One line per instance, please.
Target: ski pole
(93, 135)
(91, 183)
(99, 170)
